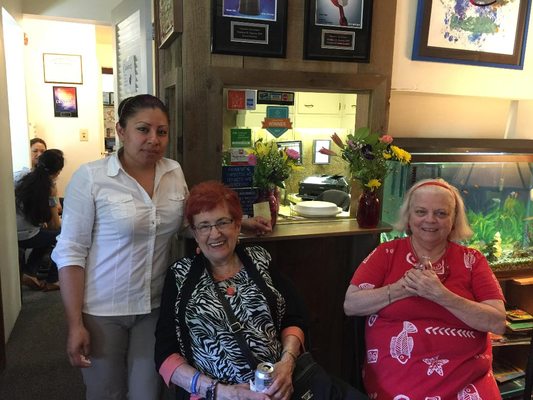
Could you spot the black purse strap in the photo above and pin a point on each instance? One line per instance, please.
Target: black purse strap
(192, 279)
(235, 327)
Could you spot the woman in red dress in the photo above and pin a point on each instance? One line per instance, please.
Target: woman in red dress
(430, 304)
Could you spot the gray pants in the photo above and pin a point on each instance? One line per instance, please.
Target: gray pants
(122, 357)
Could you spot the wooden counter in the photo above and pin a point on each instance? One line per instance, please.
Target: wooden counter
(315, 228)
(320, 257)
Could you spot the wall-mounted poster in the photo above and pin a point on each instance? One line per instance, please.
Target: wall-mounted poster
(249, 27)
(65, 102)
(338, 30)
(339, 13)
(250, 9)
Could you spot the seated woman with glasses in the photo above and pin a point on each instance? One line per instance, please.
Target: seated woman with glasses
(196, 347)
(430, 303)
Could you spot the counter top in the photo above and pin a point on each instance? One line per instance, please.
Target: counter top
(315, 228)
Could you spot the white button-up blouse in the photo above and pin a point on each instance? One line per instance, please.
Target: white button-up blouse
(121, 236)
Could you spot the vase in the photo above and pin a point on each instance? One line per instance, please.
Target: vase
(368, 210)
(356, 188)
(272, 196)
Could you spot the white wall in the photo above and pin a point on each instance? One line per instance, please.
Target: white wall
(16, 92)
(47, 36)
(97, 11)
(453, 100)
(9, 274)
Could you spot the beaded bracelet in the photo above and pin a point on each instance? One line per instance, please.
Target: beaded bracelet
(211, 393)
(194, 382)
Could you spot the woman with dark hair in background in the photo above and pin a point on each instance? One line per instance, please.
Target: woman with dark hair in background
(38, 221)
(37, 147)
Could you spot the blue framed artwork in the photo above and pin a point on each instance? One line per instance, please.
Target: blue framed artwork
(474, 32)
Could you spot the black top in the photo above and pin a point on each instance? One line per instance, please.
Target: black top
(213, 348)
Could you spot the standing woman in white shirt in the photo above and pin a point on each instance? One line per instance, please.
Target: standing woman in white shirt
(119, 216)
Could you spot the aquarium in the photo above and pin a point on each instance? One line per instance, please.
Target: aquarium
(495, 179)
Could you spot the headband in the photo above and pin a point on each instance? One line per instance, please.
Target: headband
(435, 183)
(126, 102)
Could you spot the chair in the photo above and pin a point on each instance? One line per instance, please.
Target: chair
(340, 198)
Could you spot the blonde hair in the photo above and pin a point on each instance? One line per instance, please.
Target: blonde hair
(461, 228)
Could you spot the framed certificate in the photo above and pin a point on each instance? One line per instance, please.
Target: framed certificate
(62, 68)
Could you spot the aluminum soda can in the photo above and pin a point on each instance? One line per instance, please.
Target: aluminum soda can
(264, 374)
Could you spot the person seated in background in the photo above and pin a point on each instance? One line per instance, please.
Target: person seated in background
(38, 221)
(430, 303)
(37, 147)
(196, 350)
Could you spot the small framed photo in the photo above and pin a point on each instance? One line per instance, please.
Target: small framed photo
(249, 27)
(338, 30)
(477, 32)
(62, 68)
(168, 21)
(65, 102)
(319, 158)
(294, 145)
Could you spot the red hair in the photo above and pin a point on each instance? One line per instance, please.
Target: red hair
(207, 196)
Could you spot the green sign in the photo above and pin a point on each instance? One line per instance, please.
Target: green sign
(241, 137)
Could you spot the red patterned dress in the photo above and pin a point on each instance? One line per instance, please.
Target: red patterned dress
(415, 348)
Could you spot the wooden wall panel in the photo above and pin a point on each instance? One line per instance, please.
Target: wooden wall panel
(203, 76)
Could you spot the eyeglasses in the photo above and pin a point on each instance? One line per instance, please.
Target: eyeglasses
(222, 225)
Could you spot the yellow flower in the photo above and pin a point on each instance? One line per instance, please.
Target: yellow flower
(373, 184)
(401, 154)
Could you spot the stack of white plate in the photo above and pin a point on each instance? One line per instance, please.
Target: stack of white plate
(317, 209)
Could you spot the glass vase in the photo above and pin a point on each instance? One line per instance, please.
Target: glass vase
(272, 196)
(368, 210)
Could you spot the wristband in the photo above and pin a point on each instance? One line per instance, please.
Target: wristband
(290, 353)
(194, 382)
(388, 293)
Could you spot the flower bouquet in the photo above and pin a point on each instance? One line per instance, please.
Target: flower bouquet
(368, 155)
(273, 165)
